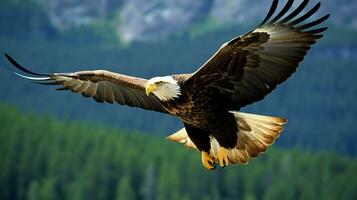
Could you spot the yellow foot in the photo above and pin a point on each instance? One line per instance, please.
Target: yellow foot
(207, 160)
(223, 156)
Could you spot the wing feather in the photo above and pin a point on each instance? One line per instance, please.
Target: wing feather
(306, 15)
(255, 63)
(314, 23)
(271, 11)
(103, 86)
(85, 85)
(283, 11)
(295, 12)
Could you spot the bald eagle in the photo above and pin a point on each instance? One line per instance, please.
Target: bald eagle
(243, 70)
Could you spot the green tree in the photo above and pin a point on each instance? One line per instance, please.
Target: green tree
(124, 189)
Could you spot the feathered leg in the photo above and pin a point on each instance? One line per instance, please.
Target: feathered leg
(202, 141)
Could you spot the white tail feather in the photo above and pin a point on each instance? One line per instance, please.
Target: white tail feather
(256, 133)
(181, 137)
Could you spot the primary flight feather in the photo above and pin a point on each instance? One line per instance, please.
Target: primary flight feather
(243, 71)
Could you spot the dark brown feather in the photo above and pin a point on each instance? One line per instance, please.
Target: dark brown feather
(272, 9)
(283, 11)
(249, 67)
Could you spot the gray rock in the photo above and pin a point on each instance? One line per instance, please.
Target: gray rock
(144, 20)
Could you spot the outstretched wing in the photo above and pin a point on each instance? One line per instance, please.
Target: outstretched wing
(103, 86)
(249, 67)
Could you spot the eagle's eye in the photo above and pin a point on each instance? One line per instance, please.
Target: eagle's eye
(160, 83)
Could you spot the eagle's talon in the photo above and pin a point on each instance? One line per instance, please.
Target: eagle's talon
(223, 157)
(207, 161)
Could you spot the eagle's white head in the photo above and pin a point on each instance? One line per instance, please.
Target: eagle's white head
(165, 88)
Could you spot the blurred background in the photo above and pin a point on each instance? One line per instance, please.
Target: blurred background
(59, 145)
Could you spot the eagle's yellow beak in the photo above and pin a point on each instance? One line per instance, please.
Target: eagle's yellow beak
(150, 88)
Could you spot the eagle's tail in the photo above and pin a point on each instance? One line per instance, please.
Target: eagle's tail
(256, 133)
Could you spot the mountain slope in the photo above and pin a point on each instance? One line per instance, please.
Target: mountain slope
(138, 20)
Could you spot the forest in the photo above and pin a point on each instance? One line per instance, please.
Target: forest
(58, 145)
(45, 158)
